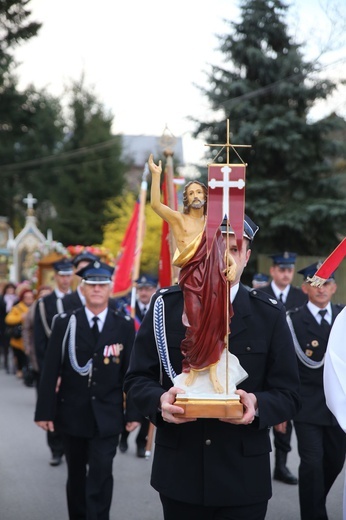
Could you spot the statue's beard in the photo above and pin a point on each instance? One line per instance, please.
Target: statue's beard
(196, 204)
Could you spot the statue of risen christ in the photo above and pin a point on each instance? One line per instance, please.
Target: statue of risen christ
(202, 278)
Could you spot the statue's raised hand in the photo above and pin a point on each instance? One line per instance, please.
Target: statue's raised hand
(154, 168)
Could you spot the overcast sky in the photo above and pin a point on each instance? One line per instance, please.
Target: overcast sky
(144, 57)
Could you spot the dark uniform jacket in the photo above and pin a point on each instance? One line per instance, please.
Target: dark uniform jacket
(295, 296)
(314, 344)
(209, 462)
(139, 313)
(72, 301)
(83, 406)
(50, 309)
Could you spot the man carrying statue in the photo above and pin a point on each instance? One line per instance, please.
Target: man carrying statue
(208, 469)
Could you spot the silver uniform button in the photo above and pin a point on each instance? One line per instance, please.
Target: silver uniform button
(208, 442)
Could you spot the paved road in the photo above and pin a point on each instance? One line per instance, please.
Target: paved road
(30, 489)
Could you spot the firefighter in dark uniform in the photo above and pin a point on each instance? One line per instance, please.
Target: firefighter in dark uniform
(146, 287)
(89, 351)
(260, 280)
(282, 272)
(75, 299)
(46, 308)
(208, 467)
(321, 441)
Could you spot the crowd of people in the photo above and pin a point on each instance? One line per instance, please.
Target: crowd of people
(102, 372)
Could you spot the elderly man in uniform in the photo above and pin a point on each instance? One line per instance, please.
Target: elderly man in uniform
(216, 468)
(282, 272)
(46, 308)
(89, 351)
(321, 441)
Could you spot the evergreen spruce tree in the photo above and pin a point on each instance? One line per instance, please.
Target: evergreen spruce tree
(266, 90)
(31, 125)
(92, 174)
(15, 28)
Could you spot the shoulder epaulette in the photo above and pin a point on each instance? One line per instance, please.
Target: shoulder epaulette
(65, 314)
(292, 311)
(168, 290)
(122, 313)
(266, 298)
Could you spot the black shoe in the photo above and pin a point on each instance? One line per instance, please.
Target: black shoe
(283, 474)
(141, 452)
(123, 446)
(55, 460)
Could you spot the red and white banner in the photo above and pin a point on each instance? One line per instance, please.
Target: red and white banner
(226, 198)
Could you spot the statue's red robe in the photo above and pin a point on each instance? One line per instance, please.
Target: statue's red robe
(204, 286)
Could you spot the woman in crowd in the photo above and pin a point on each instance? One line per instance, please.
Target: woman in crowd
(14, 319)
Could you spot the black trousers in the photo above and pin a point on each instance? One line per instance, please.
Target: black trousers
(141, 439)
(175, 510)
(5, 348)
(89, 485)
(55, 443)
(282, 441)
(322, 455)
(19, 357)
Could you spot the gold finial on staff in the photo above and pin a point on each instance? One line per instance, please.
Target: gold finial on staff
(229, 145)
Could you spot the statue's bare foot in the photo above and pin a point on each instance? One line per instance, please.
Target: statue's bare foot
(213, 378)
(191, 377)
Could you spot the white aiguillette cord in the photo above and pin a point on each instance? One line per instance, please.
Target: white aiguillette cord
(86, 370)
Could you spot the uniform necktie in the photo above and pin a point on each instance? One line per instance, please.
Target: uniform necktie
(324, 323)
(144, 310)
(281, 297)
(95, 328)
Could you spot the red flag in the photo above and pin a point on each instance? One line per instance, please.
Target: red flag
(330, 264)
(165, 263)
(123, 273)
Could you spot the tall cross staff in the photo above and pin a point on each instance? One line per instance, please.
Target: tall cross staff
(226, 184)
(139, 238)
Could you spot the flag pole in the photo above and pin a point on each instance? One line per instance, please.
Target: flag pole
(140, 237)
(172, 203)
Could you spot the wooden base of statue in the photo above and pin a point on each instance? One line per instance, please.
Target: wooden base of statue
(226, 407)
